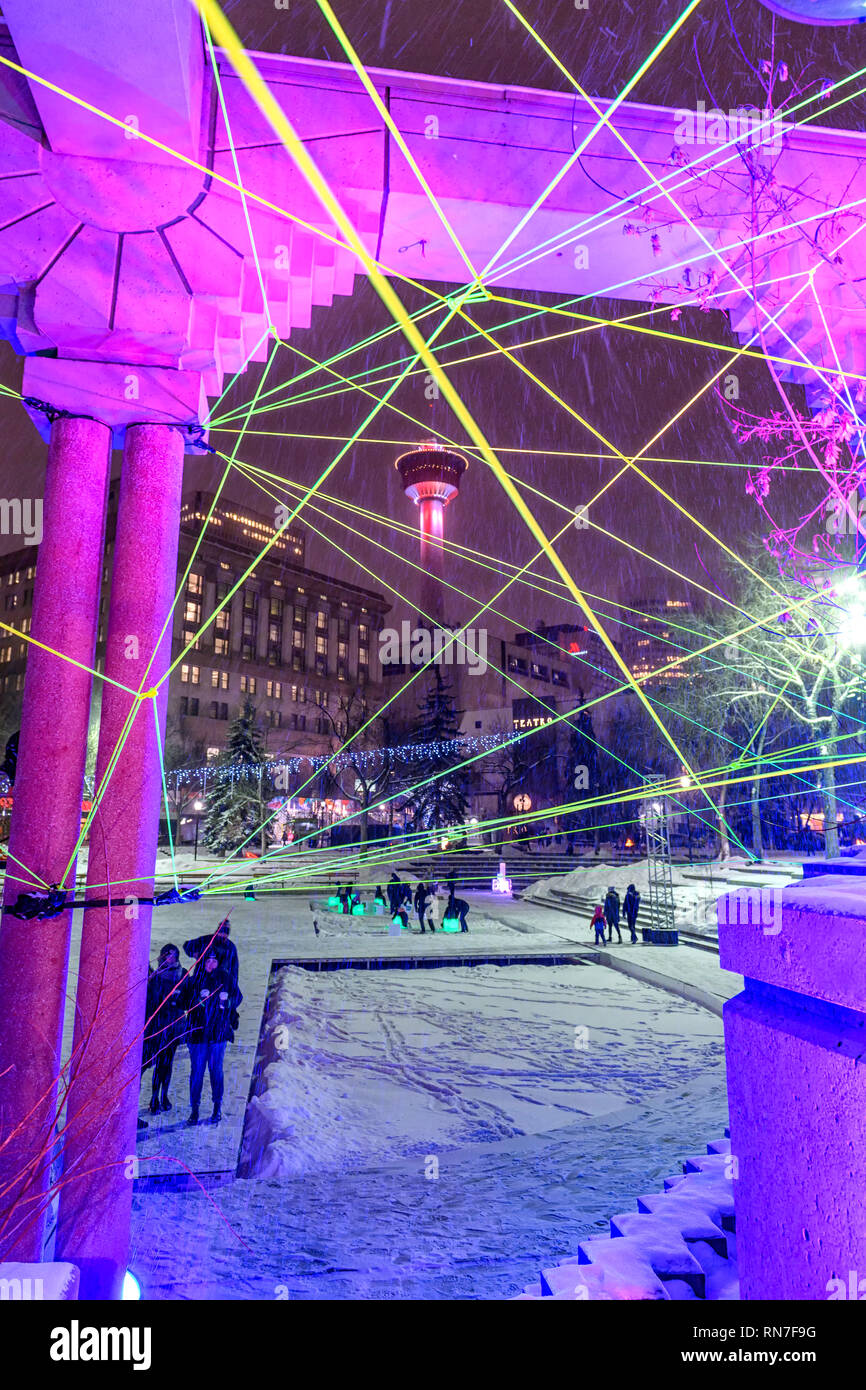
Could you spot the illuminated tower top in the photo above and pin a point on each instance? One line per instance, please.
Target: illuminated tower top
(431, 472)
(431, 477)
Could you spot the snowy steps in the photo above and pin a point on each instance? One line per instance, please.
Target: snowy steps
(562, 900)
(583, 906)
(679, 1244)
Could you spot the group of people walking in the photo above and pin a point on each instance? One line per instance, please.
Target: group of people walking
(607, 914)
(198, 1007)
(431, 908)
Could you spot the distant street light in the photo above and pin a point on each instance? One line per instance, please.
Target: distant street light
(852, 628)
(198, 807)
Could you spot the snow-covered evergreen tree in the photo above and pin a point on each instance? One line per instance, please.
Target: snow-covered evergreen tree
(441, 802)
(237, 803)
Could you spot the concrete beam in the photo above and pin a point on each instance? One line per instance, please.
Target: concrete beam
(143, 64)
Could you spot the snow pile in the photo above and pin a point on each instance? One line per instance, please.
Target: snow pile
(696, 887)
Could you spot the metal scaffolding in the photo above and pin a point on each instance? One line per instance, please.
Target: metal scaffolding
(658, 850)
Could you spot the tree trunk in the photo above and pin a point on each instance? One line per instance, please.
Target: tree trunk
(831, 829)
(828, 795)
(755, 797)
(724, 841)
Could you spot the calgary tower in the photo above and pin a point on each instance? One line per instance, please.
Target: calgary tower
(431, 477)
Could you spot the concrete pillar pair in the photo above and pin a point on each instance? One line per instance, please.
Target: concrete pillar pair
(101, 1083)
(795, 1048)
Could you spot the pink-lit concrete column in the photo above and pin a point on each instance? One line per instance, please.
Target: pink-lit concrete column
(46, 820)
(96, 1197)
(795, 1042)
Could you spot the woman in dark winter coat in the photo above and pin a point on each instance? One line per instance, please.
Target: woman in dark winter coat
(164, 1024)
(611, 912)
(211, 1000)
(631, 907)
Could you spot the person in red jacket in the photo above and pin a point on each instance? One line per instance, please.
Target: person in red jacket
(598, 923)
(211, 1000)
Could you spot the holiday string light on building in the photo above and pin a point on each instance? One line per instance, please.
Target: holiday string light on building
(405, 752)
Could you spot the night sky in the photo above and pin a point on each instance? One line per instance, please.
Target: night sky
(628, 386)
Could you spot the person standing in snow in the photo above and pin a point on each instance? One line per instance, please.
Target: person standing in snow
(436, 910)
(631, 907)
(597, 924)
(611, 913)
(164, 1026)
(220, 943)
(395, 894)
(211, 1000)
(422, 899)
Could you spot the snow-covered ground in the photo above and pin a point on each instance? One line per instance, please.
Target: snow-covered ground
(377, 1065)
(491, 1217)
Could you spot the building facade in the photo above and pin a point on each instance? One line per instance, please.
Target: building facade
(292, 640)
(525, 686)
(656, 632)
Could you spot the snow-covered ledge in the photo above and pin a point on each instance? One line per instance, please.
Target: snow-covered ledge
(795, 1045)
